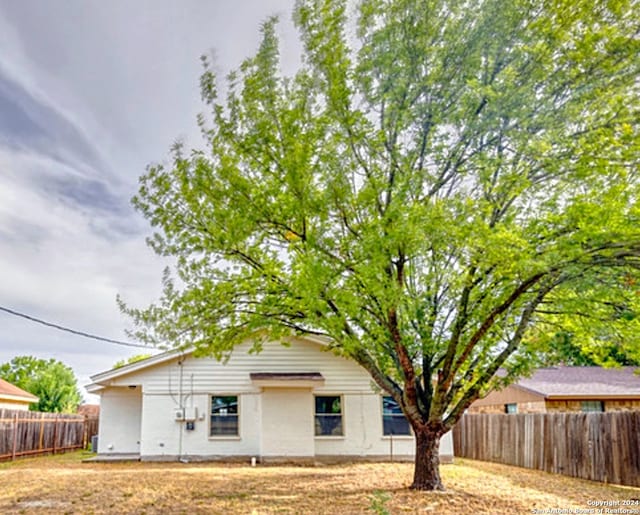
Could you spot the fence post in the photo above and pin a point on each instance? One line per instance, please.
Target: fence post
(55, 431)
(85, 432)
(15, 436)
(41, 431)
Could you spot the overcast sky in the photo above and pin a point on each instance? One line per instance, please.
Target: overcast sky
(90, 93)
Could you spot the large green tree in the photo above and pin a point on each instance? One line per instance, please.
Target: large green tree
(441, 188)
(53, 382)
(567, 349)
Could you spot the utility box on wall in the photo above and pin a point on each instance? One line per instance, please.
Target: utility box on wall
(185, 414)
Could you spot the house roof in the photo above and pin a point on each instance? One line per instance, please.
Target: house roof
(102, 379)
(99, 381)
(12, 392)
(564, 382)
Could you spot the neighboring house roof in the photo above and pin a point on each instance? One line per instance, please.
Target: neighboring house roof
(89, 410)
(564, 382)
(11, 392)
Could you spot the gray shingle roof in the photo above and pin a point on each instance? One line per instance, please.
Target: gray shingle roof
(583, 381)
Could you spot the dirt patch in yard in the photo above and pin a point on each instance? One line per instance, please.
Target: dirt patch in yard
(62, 484)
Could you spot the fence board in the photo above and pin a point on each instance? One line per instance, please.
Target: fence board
(601, 447)
(26, 433)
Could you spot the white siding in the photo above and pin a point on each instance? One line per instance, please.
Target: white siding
(120, 411)
(446, 446)
(206, 375)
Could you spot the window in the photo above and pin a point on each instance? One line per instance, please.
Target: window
(393, 420)
(511, 408)
(224, 415)
(592, 406)
(328, 416)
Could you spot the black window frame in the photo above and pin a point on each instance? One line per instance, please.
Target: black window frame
(217, 421)
(393, 419)
(328, 422)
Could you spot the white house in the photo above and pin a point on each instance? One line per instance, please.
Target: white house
(291, 402)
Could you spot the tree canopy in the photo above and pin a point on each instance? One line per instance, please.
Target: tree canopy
(53, 382)
(441, 188)
(564, 348)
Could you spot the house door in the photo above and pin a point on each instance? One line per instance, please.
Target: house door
(287, 422)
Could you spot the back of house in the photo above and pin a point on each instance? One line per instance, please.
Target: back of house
(289, 402)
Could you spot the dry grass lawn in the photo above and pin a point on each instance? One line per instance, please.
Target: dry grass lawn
(62, 484)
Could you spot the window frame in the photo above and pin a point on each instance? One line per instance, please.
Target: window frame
(340, 397)
(227, 436)
(397, 415)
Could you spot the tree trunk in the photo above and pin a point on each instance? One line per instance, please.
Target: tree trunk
(426, 474)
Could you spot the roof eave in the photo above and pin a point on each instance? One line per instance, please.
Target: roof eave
(593, 396)
(94, 388)
(528, 390)
(19, 398)
(103, 377)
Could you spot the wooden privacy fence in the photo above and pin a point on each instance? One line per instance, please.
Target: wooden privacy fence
(598, 446)
(24, 433)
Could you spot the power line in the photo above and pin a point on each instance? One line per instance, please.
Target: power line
(72, 331)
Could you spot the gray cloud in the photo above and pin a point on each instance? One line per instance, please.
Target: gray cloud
(15, 231)
(86, 193)
(27, 122)
(15, 123)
